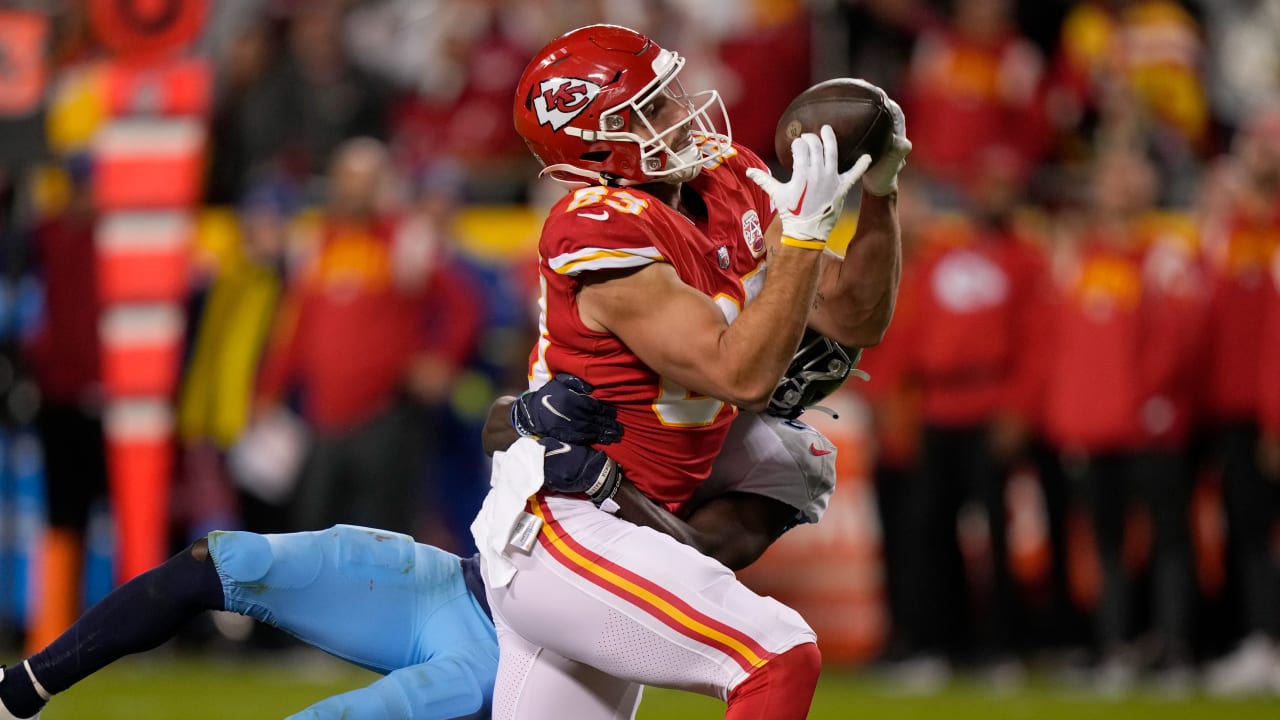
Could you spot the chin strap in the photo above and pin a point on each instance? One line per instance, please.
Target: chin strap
(571, 176)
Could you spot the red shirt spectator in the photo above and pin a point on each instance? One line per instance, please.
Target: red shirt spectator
(64, 352)
(1126, 325)
(1237, 261)
(348, 334)
(1241, 228)
(967, 302)
(972, 85)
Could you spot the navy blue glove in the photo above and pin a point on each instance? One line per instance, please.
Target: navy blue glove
(564, 409)
(579, 469)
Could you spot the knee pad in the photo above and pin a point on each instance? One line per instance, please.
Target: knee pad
(253, 561)
(240, 557)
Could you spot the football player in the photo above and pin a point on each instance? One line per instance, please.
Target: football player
(654, 291)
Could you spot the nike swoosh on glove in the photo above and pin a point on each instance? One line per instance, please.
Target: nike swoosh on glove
(579, 469)
(810, 203)
(564, 409)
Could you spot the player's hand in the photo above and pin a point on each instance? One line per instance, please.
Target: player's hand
(882, 178)
(579, 469)
(564, 409)
(811, 201)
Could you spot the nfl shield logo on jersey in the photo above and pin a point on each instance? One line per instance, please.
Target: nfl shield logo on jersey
(752, 232)
(722, 254)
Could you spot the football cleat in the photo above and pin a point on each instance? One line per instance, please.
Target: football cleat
(5, 714)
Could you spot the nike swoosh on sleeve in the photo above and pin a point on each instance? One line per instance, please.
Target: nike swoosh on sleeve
(812, 448)
(602, 215)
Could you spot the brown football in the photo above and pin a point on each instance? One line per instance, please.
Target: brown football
(857, 115)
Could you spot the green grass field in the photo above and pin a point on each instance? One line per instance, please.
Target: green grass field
(168, 685)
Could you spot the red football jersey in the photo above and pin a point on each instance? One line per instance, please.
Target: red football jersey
(671, 435)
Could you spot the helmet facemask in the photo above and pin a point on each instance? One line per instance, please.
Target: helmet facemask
(675, 152)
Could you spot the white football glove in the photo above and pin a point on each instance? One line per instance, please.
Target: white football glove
(882, 178)
(810, 202)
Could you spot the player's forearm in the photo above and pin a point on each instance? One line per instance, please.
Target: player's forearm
(498, 433)
(756, 348)
(856, 302)
(639, 509)
(734, 529)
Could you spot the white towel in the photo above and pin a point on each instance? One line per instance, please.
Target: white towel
(517, 474)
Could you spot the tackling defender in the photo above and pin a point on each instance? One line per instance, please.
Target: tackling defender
(653, 291)
(429, 631)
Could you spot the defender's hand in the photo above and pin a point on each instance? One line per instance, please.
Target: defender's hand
(882, 178)
(579, 469)
(811, 201)
(564, 409)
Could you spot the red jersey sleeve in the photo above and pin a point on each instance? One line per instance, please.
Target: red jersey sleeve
(599, 228)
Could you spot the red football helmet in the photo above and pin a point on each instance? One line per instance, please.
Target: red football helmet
(587, 104)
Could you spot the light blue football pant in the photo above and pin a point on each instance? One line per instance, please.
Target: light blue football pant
(374, 598)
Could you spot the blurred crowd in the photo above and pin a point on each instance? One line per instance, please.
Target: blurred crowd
(1086, 348)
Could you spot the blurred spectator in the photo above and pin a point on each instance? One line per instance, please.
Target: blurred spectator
(974, 84)
(1118, 405)
(879, 37)
(230, 320)
(244, 130)
(65, 361)
(1243, 47)
(445, 380)
(462, 110)
(1134, 67)
(961, 328)
(293, 108)
(358, 336)
(1241, 221)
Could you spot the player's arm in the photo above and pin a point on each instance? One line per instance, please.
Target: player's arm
(856, 294)
(734, 528)
(498, 432)
(682, 335)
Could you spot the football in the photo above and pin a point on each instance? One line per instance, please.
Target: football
(858, 116)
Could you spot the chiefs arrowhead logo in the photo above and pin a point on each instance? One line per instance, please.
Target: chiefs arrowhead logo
(560, 100)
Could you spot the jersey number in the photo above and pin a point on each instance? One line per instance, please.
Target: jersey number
(619, 200)
(678, 407)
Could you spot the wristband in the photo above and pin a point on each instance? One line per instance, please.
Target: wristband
(516, 423)
(803, 244)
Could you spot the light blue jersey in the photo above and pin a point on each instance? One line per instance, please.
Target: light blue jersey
(377, 599)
